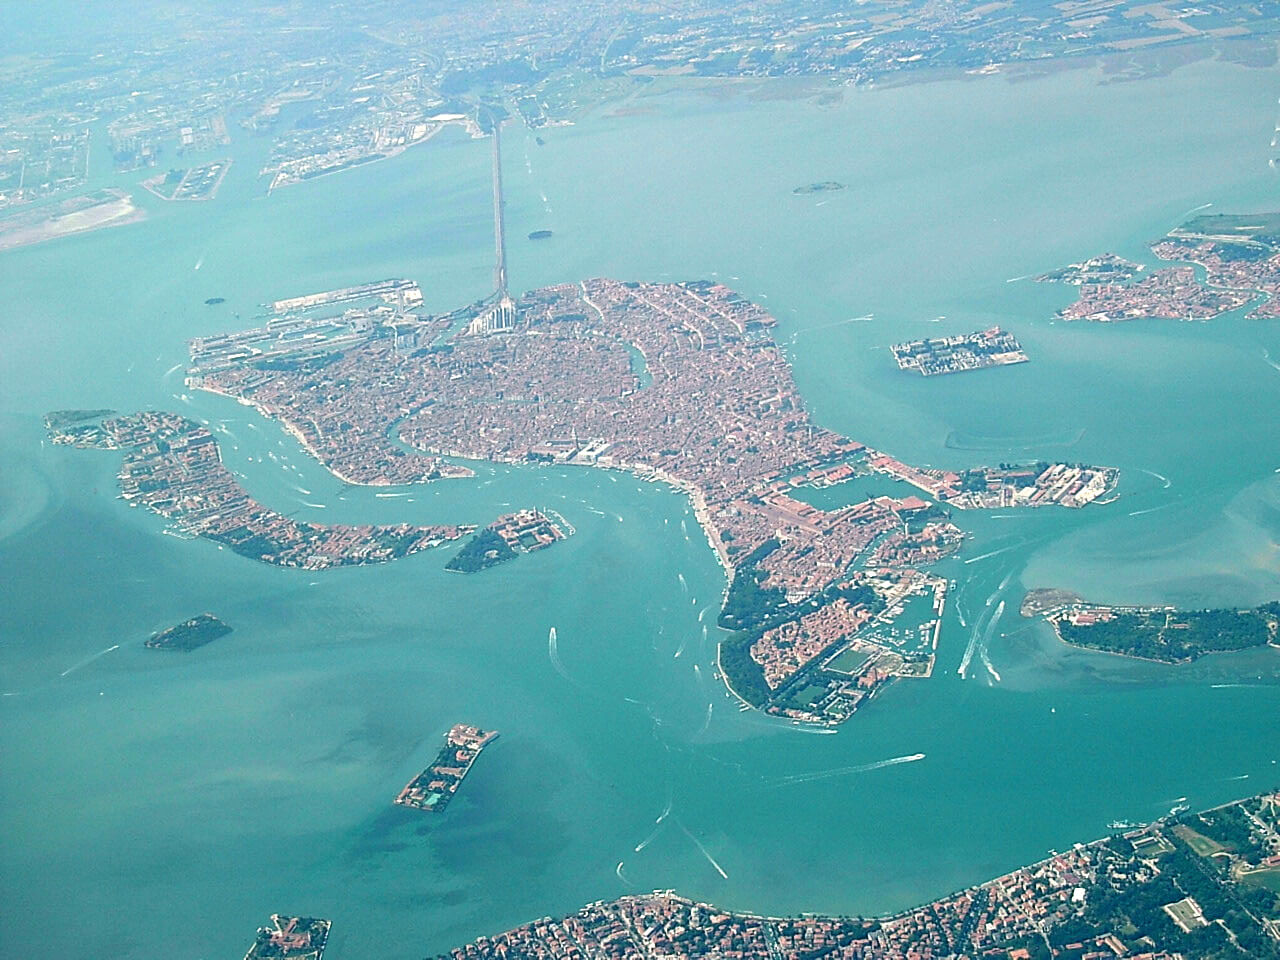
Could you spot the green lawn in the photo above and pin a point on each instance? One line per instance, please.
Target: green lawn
(805, 696)
(1198, 841)
(1269, 878)
(851, 661)
(1151, 846)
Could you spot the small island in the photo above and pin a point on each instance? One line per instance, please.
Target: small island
(299, 938)
(825, 186)
(173, 468)
(970, 351)
(435, 786)
(1163, 634)
(505, 538)
(190, 634)
(61, 419)
(1105, 268)
(540, 235)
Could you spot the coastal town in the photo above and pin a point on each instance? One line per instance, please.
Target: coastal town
(677, 383)
(968, 351)
(172, 467)
(883, 625)
(42, 160)
(1190, 885)
(1173, 293)
(413, 117)
(1240, 257)
(434, 787)
(334, 90)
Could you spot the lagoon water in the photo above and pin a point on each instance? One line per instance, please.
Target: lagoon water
(165, 805)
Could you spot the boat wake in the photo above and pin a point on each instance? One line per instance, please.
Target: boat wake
(648, 840)
(703, 850)
(986, 662)
(963, 441)
(666, 812)
(994, 553)
(979, 640)
(845, 771)
(866, 317)
(1005, 582)
(706, 724)
(88, 660)
(1159, 476)
(1138, 513)
(553, 653)
(796, 727)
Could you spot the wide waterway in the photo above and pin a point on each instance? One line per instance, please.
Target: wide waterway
(164, 804)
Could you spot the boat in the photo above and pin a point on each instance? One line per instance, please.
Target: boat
(1123, 825)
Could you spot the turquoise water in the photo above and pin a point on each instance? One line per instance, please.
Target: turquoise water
(173, 802)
